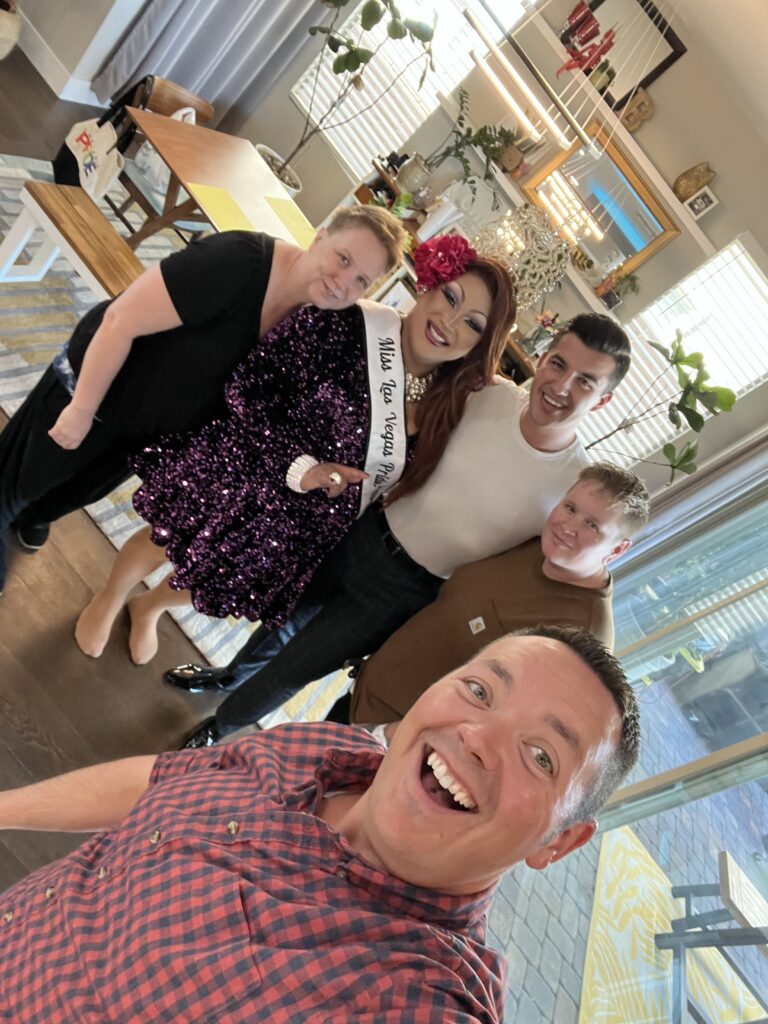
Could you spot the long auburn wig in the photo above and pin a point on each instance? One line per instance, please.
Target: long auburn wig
(443, 405)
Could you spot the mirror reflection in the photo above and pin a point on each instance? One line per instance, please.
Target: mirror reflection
(602, 206)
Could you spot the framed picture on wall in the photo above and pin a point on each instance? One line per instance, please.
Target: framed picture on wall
(701, 202)
(400, 297)
(645, 45)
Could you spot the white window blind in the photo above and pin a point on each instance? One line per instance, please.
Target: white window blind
(393, 116)
(722, 311)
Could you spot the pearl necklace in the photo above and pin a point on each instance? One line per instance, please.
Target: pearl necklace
(416, 387)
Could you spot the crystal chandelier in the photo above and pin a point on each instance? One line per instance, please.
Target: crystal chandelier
(525, 241)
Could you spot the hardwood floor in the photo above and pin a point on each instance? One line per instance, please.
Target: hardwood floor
(59, 709)
(33, 120)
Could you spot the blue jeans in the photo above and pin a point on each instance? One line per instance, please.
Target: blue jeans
(365, 590)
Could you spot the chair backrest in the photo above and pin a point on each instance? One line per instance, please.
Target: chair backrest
(167, 97)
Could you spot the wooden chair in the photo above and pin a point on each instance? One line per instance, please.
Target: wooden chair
(165, 98)
(740, 902)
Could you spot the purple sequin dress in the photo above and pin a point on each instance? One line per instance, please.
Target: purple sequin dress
(239, 539)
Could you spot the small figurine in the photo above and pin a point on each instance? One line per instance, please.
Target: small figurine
(638, 109)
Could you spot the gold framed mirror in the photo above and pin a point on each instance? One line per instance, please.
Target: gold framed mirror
(602, 206)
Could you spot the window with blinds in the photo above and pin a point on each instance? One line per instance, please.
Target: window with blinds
(722, 311)
(392, 115)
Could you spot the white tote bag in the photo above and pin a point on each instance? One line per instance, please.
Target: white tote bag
(154, 169)
(99, 162)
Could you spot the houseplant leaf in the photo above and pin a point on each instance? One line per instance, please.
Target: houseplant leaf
(420, 30)
(694, 418)
(724, 398)
(662, 349)
(694, 359)
(371, 14)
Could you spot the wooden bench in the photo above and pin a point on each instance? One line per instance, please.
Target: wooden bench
(74, 226)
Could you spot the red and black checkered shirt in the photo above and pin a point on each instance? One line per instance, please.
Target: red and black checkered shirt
(222, 899)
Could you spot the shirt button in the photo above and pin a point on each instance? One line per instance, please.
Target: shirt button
(50, 892)
(155, 837)
(342, 873)
(233, 827)
(102, 871)
(8, 916)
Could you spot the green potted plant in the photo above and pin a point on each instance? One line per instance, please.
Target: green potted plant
(684, 408)
(350, 58)
(462, 139)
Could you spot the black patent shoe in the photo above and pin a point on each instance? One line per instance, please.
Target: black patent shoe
(32, 536)
(206, 735)
(199, 678)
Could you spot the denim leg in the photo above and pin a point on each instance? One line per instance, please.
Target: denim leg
(265, 644)
(359, 596)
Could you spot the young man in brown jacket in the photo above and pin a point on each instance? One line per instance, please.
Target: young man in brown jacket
(560, 578)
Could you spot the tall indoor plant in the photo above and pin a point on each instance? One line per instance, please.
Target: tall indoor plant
(350, 58)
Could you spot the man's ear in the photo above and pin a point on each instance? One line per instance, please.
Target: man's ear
(621, 547)
(602, 401)
(562, 844)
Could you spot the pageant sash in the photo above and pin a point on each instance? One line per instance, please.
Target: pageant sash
(388, 439)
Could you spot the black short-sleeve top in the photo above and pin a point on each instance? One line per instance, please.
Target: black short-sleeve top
(174, 380)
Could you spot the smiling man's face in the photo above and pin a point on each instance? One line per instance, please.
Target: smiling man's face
(571, 380)
(486, 764)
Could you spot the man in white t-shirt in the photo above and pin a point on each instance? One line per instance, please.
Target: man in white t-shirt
(503, 470)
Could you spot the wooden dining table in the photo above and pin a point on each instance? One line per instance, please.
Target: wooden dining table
(232, 175)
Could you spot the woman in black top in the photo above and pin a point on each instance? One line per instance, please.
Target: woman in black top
(155, 359)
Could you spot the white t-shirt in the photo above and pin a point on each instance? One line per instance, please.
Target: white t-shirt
(490, 491)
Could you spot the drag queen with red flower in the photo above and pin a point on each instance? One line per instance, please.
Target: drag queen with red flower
(331, 410)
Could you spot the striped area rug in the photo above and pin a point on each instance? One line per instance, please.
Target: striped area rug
(36, 318)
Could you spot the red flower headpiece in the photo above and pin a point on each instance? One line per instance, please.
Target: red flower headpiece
(441, 259)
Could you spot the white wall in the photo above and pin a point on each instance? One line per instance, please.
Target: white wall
(68, 42)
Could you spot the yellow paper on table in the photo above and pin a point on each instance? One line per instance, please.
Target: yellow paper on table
(293, 219)
(219, 206)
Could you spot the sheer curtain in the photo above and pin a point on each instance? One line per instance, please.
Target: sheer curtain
(230, 52)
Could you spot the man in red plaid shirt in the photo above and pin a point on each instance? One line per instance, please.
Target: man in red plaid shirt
(305, 875)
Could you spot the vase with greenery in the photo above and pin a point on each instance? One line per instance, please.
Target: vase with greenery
(463, 139)
(686, 406)
(618, 283)
(350, 58)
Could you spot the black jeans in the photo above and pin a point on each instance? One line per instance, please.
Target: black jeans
(363, 591)
(37, 476)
